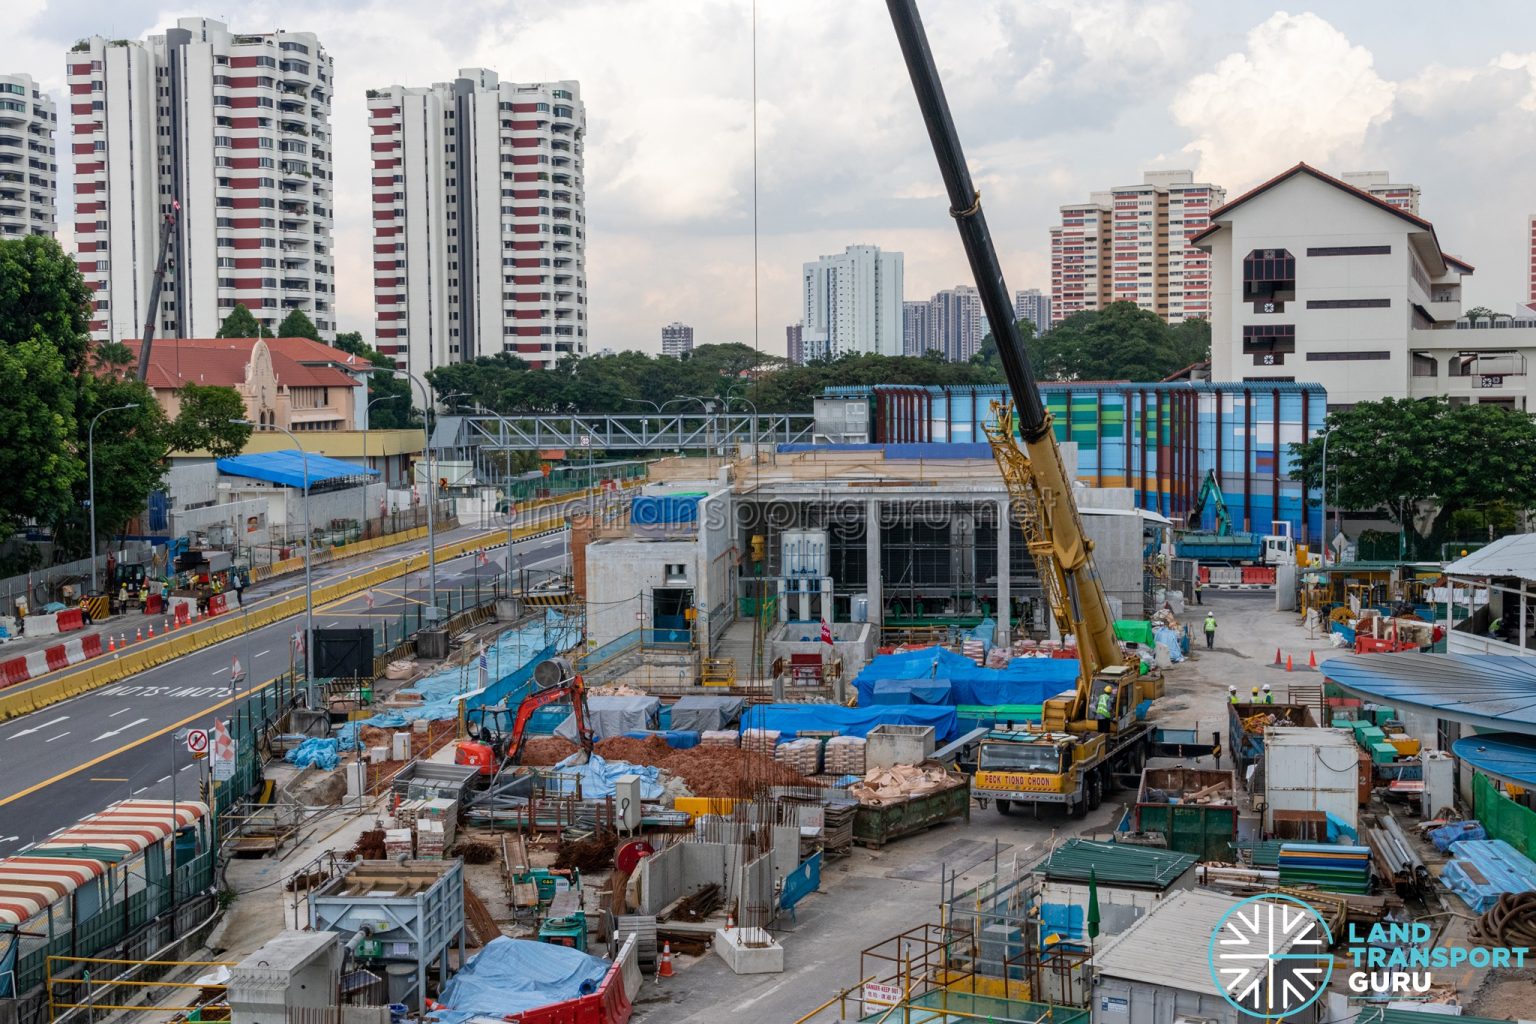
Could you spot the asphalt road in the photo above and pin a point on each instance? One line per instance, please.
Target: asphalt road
(126, 740)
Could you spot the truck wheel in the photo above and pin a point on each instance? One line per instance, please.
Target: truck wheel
(1080, 808)
(1095, 792)
(1005, 807)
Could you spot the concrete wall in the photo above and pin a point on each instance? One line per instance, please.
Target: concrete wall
(853, 642)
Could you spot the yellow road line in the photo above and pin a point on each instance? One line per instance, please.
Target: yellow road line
(109, 780)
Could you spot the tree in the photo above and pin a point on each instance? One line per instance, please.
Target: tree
(1477, 313)
(1430, 467)
(394, 413)
(203, 422)
(44, 320)
(130, 450)
(1190, 342)
(297, 324)
(1118, 342)
(986, 352)
(241, 324)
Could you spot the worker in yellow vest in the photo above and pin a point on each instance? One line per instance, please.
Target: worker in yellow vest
(1232, 695)
(1104, 709)
(1269, 695)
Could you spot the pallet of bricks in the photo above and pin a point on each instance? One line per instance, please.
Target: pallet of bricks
(433, 822)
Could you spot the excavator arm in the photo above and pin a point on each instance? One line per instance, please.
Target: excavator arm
(1210, 492)
(1033, 467)
(574, 691)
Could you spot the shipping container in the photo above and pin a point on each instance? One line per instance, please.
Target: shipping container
(1311, 770)
(1247, 744)
(1205, 829)
(1158, 439)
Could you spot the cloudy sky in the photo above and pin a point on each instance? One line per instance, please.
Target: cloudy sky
(1054, 98)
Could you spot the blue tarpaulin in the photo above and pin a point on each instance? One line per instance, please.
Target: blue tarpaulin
(655, 510)
(1023, 681)
(1483, 870)
(287, 467)
(790, 719)
(677, 739)
(515, 975)
(911, 691)
(598, 774)
(322, 753)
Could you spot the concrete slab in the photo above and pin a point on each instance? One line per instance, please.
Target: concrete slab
(951, 858)
(749, 951)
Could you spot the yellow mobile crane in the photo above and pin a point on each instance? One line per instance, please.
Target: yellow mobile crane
(1072, 759)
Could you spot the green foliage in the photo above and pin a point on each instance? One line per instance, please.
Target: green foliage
(397, 411)
(130, 449)
(1118, 342)
(116, 357)
(297, 324)
(1429, 466)
(1477, 313)
(241, 324)
(44, 319)
(203, 421)
(792, 389)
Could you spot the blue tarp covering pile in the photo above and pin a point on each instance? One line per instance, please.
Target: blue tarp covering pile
(512, 976)
(287, 468)
(1024, 681)
(655, 510)
(1456, 832)
(677, 739)
(791, 719)
(598, 773)
(1483, 870)
(509, 668)
(318, 752)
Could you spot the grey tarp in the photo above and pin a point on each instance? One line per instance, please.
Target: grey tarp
(703, 713)
(614, 716)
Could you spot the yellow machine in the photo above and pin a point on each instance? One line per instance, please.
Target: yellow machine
(1089, 733)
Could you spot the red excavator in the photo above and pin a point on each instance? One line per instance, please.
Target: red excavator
(493, 745)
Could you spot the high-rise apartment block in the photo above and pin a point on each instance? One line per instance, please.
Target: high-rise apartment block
(676, 339)
(916, 333)
(232, 130)
(853, 303)
(29, 170)
(1380, 185)
(1530, 235)
(1033, 305)
(1131, 244)
(794, 346)
(479, 220)
(956, 322)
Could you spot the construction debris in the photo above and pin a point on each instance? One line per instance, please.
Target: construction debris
(897, 783)
(595, 853)
(475, 853)
(698, 906)
(481, 927)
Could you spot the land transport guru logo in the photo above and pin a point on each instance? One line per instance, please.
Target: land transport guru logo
(1269, 956)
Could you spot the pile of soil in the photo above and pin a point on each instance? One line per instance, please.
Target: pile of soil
(707, 771)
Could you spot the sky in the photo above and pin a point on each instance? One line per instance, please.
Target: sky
(1052, 98)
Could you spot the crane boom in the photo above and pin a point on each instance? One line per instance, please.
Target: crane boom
(157, 282)
(1060, 536)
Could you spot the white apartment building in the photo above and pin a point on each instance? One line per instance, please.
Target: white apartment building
(479, 214)
(1380, 185)
(1131, 244)
(1317, 281)
(956, 322)
(916, 333)
(233, 131)
(853, 304)
(676, 339)
(29, 170)
(1033, 305)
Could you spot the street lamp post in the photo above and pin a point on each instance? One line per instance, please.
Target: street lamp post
(90, 444)
(426, 436)
(309, 552)
(1326, 434)
(364, 522)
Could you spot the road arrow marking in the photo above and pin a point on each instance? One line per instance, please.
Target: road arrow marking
(122, 712)
(38, 728)
(125, 728)
(58, 737)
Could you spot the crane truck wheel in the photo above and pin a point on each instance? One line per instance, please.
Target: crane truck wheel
(1005, 807)
(1080, 808)
(1095, 794)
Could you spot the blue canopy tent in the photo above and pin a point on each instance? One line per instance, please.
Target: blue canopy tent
(287, 468)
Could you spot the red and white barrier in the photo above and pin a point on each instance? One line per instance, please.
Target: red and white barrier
(49, 659)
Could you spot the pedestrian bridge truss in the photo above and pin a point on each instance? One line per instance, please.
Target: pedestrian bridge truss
(718, 432)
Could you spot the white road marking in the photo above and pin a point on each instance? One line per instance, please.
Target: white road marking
(58, 737)
(140, 790)
(10, 839)
(163, 778)
(56, 831)
(185, 767)
(219, 671)
(114, 732)
(263, 654)
(122, 712)
(38, 728)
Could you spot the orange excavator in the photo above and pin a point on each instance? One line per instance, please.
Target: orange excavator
(492, 745)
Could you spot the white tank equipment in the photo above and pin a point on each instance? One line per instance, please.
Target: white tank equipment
(805, 580)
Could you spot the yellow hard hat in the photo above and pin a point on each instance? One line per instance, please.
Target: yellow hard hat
(1108, 688)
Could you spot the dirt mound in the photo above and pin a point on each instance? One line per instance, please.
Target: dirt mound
(547, 750)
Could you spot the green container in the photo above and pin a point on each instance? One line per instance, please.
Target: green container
(1383, 753)
(1370, 736)
(1384, 715)
(876, 826)
(1206, 830)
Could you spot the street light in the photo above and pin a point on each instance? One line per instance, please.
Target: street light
(309, 539)
(1326, 433)
(426, 437)
(364, 521)
(90, 444)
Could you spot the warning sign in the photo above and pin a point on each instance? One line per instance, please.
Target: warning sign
(223, 762)
(197, 741)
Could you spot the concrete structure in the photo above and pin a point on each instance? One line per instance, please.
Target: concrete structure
(916, 331)
(292, 970)
(676, 339)
(956, 323)
(293, 383)
(29, 170)
(479, 220)
(1132, 244)
(1320, 282)
(794, 344)
(1157, 971)
(1033, 305)
(233, 130)
(852, 303)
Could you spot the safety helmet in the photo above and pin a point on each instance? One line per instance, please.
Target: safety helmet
(1231, 689)
(1266, 687)
(1255, 689)
(1108, 688)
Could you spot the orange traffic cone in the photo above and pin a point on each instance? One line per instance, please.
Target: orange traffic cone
(151, 630)
(111, 644)
(1288, 663)
(664, 968)
(138, 636)
(1277, 656)
(170, 624)
(1312, 661)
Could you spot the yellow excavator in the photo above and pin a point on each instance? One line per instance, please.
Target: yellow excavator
(1089, 734)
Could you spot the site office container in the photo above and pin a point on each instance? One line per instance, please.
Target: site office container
(1205, 830)
(1311, 770)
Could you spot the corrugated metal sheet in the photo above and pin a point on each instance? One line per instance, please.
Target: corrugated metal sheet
(1488, 690)
(129, 827)
(29, 884)
(1509, 556)
(1115, 864)
(1504, 755)
(1169, 946)
(1404, 1015)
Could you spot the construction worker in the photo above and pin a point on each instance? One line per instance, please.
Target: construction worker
(1104, 710)
(1199, 590)
(1269, 695)
(1232, 695)
(1210, 630)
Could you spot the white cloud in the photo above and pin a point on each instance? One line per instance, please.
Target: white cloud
(1299, 90)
